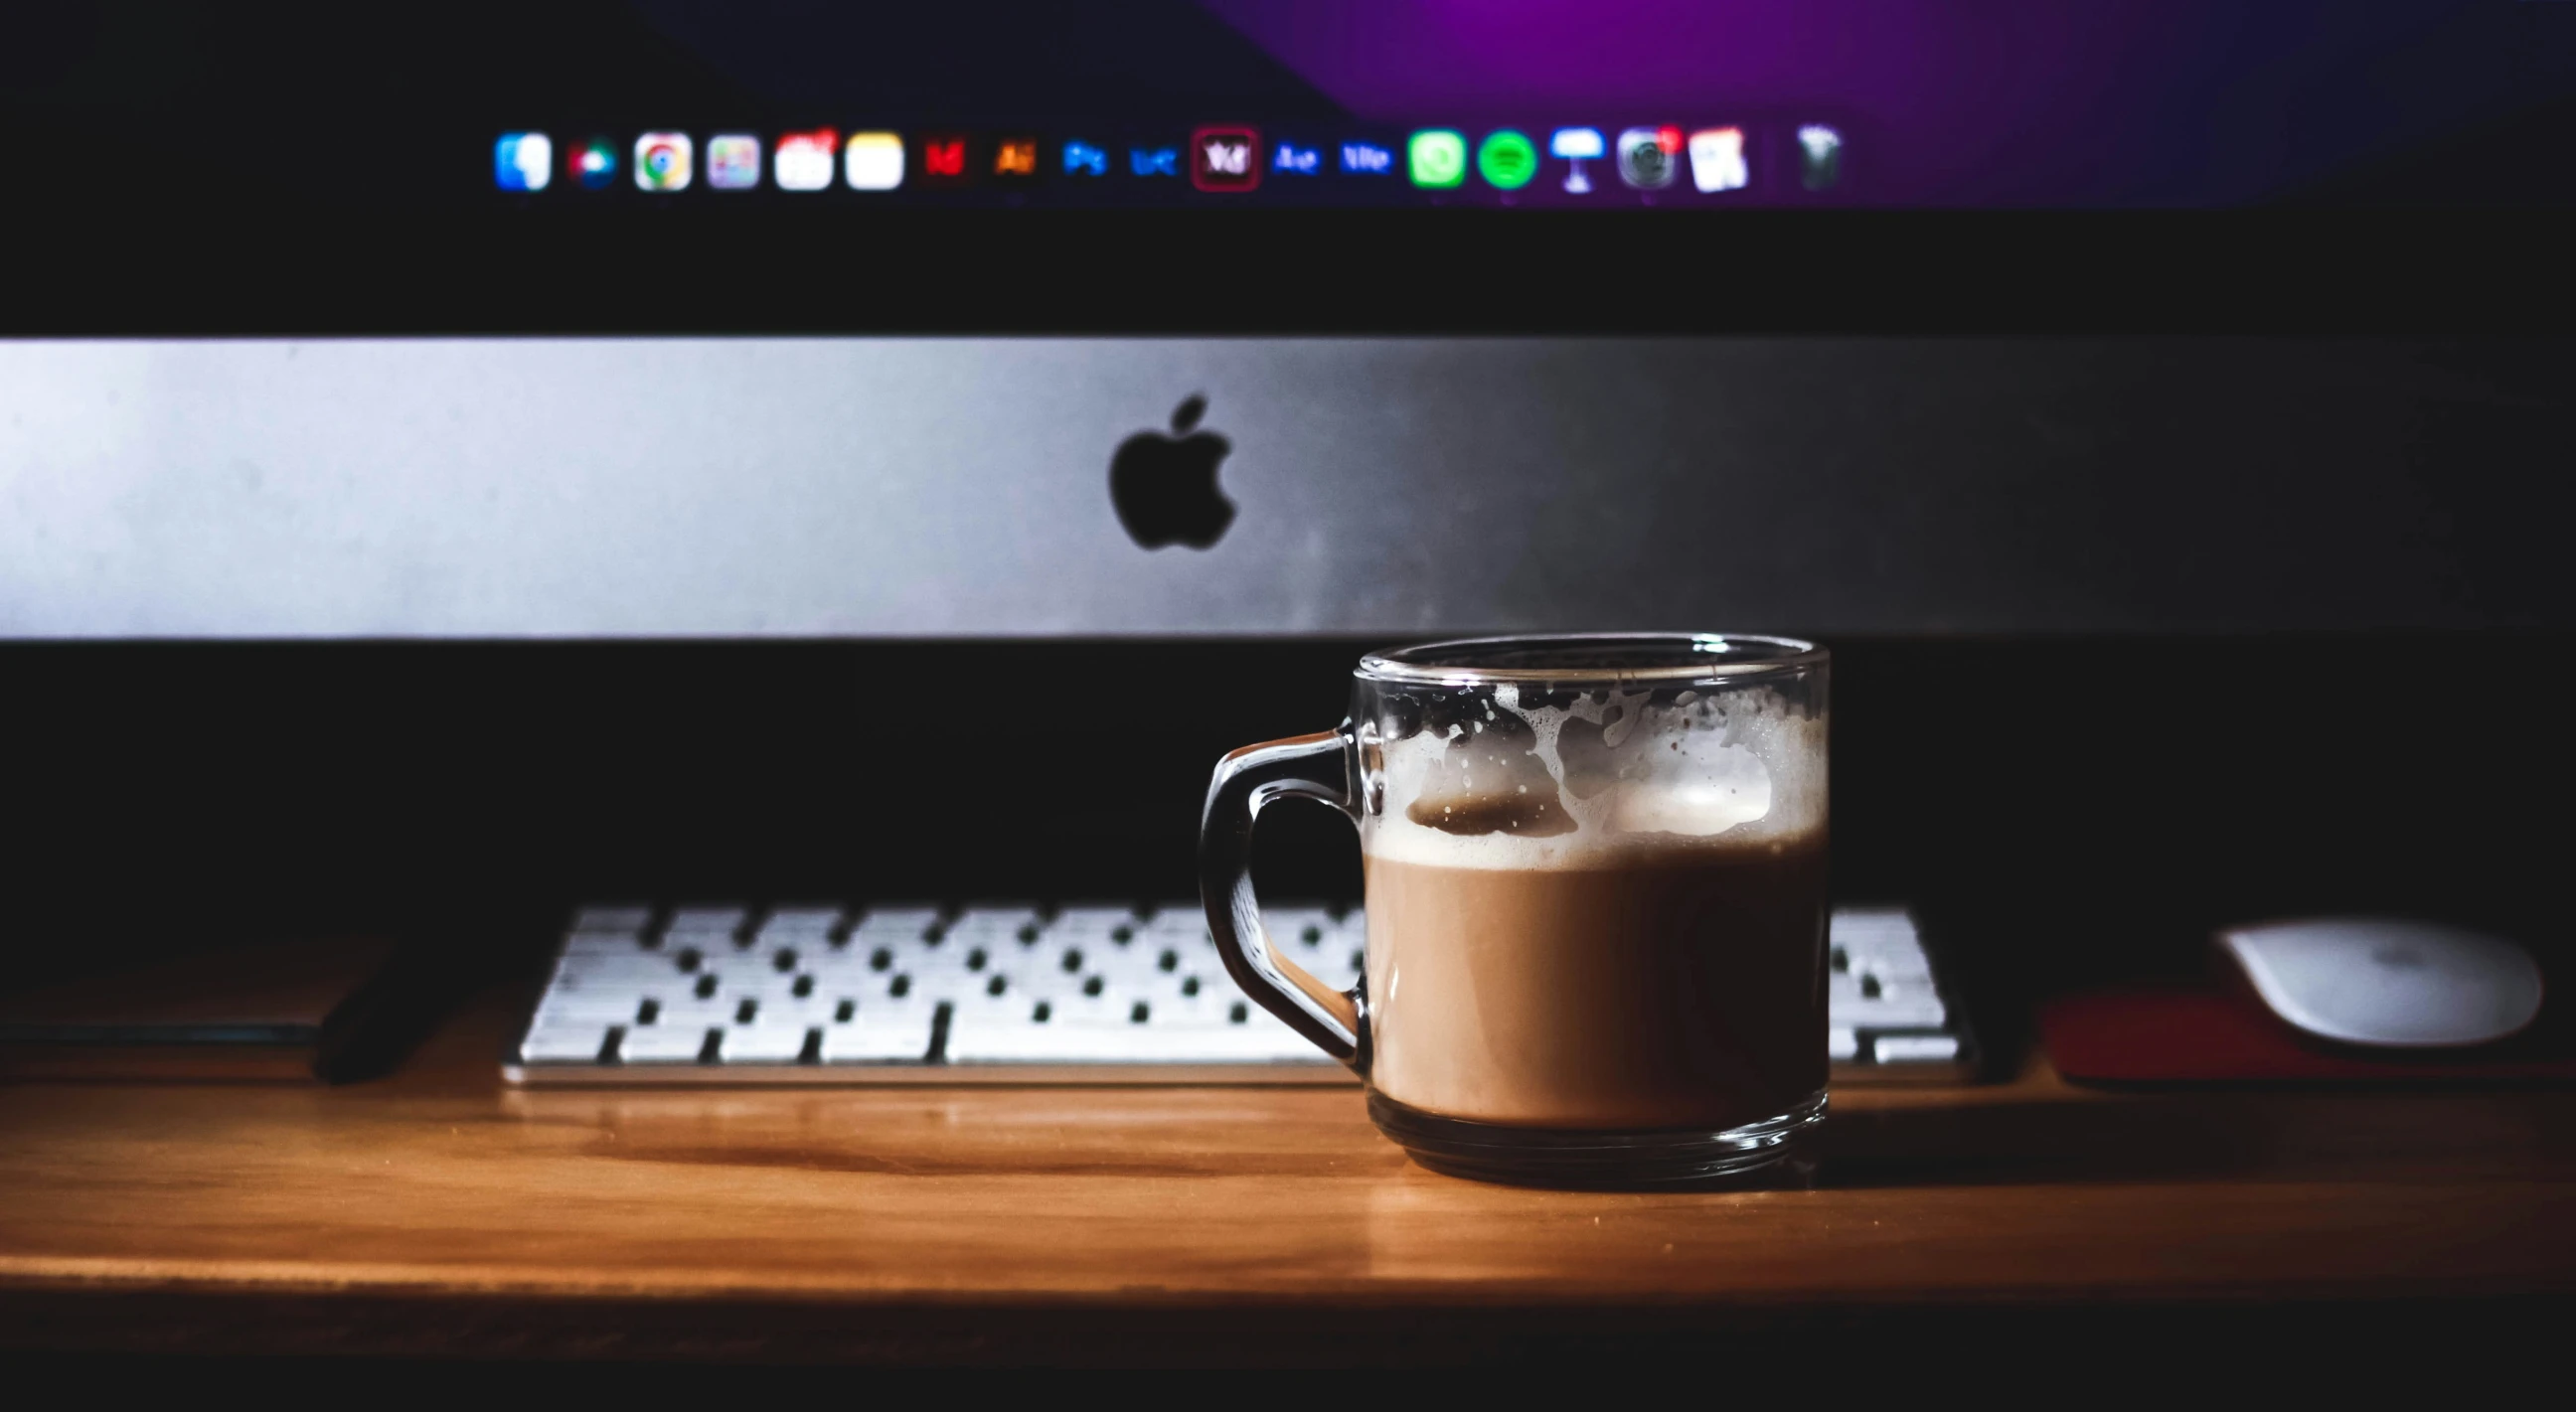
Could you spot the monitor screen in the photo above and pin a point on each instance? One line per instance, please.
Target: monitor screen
(678, 317)
(1324, 166)
(1588, 105)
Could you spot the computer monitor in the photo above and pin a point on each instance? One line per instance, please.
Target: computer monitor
(1254, 316)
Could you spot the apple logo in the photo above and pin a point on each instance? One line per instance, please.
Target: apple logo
(1164, 487)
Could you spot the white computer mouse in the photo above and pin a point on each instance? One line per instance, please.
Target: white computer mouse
(2386, 982)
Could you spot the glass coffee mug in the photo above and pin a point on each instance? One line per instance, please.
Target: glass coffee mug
(1595, 881)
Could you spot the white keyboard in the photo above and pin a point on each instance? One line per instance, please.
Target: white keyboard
(920, 993)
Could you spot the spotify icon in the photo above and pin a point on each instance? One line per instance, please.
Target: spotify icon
(1506, 160)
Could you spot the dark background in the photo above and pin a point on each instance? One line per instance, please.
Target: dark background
(2060, 809)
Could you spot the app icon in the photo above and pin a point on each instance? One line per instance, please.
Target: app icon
(1154, 161)
(1820, 157)
(1366, 159)
(594, 164)
(1225, 159)
(523, 161)
(663, 161)
(1084, 160)
(733, 161)
(805, 159)
(1717, 159)
(943, 160)
(1436, 157)
(1577, 145)
(1647, 157)
(1015, 159)
(1297, 160)
(873, 161)
(1506, 160)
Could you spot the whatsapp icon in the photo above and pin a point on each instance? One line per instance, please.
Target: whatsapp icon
(1436, 157)
(1506, 160)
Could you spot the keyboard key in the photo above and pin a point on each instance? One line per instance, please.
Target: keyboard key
(1300, 930)
(1094, 920)
(800, 926)
(1266, 1041)
(610, 944)
(1915, 1048)
(712, 927)
(1863, 1002)
(1016, 1041)
(1212, 1007)
(686, 1012)
(594, 1008)
(631, 968)
(1006, 1035)
(764, 1043)
(1884, 940)
(666, 1043)
(1183, 924)
(564, 1041)
(1003, 922)
(880, 1031)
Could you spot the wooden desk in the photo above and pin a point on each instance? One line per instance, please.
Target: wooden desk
(437, 1212)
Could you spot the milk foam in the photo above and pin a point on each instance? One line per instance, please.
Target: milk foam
(1730, 769)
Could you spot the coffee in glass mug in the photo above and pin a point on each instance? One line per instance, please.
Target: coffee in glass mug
(1595, 873)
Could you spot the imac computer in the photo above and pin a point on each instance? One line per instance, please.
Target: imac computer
(465, 455)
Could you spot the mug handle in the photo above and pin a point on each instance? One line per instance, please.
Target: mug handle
(1318, 766)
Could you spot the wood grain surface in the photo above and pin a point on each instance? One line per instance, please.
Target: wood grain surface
(437, 1211)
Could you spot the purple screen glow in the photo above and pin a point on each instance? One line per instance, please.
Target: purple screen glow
(2007, 103)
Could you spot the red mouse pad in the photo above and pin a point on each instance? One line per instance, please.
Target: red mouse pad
(2206, 1035)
